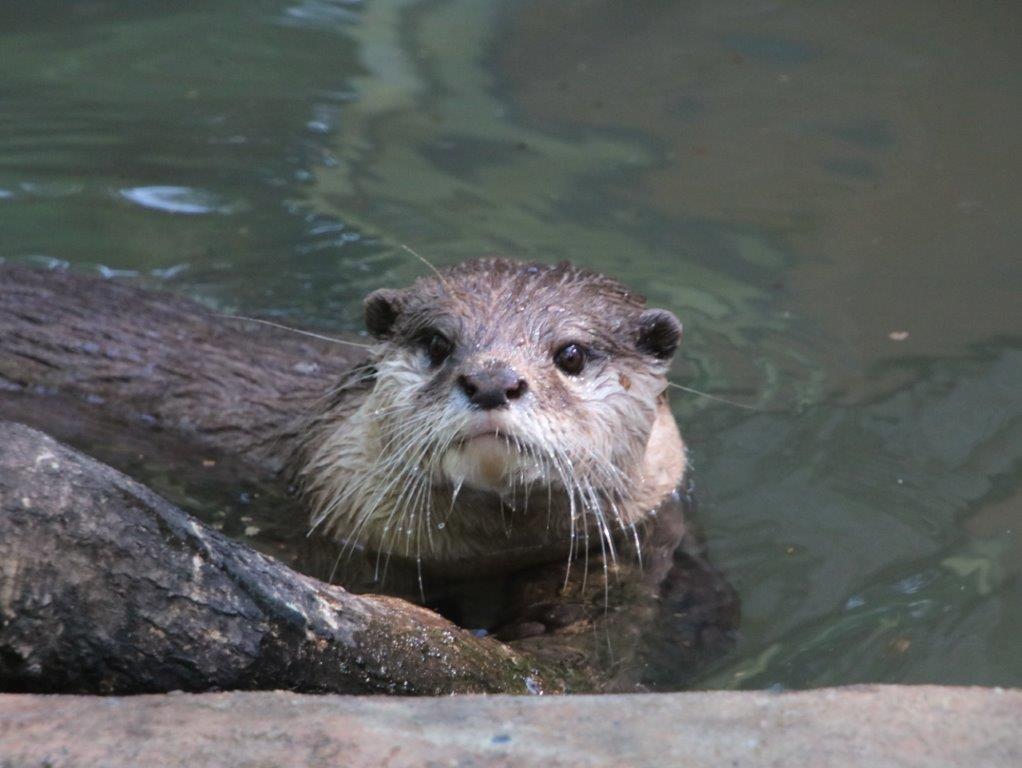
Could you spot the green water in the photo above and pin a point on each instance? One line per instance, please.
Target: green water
(828, 194)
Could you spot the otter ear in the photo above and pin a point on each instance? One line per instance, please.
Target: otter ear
(659, 333)
(382, 308)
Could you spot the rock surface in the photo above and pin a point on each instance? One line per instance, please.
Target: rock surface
(863, 726)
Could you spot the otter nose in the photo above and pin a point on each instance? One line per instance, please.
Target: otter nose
(493, 386)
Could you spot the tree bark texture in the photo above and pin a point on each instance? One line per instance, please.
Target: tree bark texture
(107, 588)
(161, 359)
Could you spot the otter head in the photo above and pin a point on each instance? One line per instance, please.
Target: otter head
(505, 378)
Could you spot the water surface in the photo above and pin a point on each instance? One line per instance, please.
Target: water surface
(827, 194)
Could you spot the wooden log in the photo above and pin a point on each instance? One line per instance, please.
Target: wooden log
(107, 588)
(162, 359)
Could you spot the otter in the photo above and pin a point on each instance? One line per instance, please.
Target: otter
(509, 414)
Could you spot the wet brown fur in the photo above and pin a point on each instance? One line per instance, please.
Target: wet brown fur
(611, 424)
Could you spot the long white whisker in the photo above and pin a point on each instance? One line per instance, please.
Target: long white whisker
(708, 396)
(300, 332)
(425, 261)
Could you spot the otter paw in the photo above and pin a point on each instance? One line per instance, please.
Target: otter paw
(542, 619)
(520, 631)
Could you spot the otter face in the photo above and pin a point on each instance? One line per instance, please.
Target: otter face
(526, 374)
(504, 378)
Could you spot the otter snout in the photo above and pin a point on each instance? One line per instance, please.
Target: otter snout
(492, 385)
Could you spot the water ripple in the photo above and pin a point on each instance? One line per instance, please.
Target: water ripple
(182, 200)
(321, 14)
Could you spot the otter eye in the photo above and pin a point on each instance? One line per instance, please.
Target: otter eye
(438, 348)
(571, 358)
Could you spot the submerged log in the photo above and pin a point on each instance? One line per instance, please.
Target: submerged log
(107, 588)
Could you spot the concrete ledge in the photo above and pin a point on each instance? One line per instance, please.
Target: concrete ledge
(862, 726)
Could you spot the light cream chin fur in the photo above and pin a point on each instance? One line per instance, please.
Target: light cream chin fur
(489, 463)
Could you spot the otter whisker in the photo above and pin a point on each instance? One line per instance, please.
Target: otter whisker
(423, 504)
(360, 374)
(299, 331)
(528, 481)
(399, 507)
(413, 512)
(395, 524)
(605, 537)
(592, 506)
(428, 522)
(601, 521)
(549, 492)
(585, 533)
(570, 488)
(429, 264)
(558, 469)
(615, 480)
(420, 470)
(402, 439)
(328, 507)
(441, 449)
(595, 509)
(638, 546)
(385, 480)
(455, 492)
(718, 398)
